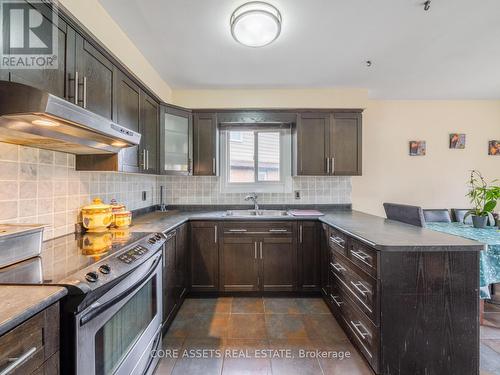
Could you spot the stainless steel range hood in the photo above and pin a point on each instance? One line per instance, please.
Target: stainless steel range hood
(35, 118)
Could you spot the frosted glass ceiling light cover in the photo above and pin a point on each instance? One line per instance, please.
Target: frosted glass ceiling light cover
(255, 24)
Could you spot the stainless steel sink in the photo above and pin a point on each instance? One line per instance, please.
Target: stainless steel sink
(260, 213)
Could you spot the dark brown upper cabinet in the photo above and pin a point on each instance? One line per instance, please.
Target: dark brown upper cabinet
(95, 77)
(149, 130)
(328, 144)
(54, 81)
(176, 140)
(205, 144)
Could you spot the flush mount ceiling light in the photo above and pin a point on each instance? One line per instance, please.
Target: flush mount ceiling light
(255, 24)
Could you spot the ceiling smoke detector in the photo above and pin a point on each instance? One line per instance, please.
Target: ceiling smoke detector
(256, 24)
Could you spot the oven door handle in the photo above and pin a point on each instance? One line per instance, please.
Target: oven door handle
(99, 309)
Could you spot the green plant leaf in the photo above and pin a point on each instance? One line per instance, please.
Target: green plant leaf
(490, 206)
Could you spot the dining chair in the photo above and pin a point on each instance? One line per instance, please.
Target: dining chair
(458, 215)
(439, 215)
(405, 213)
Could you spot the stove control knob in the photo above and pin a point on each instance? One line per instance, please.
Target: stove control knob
(152, 240)
(92, 277)
(158, 236)
(105, 269)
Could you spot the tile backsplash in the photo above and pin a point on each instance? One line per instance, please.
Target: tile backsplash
(40, 186)
(186, 190)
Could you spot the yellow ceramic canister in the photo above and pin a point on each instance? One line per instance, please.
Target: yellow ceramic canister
(97, 217)
(116, 207)
(123, 219)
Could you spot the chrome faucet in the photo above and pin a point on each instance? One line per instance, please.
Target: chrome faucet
(253, 197)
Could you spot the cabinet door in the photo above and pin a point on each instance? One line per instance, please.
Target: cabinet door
(95, 79)
(239, 271)
(325, 260)
(181, 252)
(204, 268)
(169, 300)
(149, 131)
(205, 144)
(53, 81)
(309, 255)
(176, 136)
(345, 144)
(278, 263)
(128, 114)
(313, 144)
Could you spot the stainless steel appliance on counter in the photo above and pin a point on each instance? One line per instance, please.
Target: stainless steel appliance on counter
(35, 118)
(19, 242)
(111, 317)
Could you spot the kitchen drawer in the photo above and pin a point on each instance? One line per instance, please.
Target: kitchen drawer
(361, 288)
(279, 228)
(363, 256)
(337, 241)
(32, 342)
(360, 330)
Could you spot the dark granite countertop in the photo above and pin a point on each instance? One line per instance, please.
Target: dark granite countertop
(375, 231)
(21, 302)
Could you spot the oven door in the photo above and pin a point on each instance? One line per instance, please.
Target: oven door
(118, 332)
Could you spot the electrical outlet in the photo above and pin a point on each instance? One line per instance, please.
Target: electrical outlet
(144, 195)
(297, 194)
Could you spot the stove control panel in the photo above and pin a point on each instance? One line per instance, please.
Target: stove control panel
(133, 254)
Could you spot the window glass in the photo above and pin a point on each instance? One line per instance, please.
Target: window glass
(241, 156)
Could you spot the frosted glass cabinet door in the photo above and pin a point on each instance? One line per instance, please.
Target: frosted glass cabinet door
(176, 139)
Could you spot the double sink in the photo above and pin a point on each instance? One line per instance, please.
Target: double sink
(256, 213)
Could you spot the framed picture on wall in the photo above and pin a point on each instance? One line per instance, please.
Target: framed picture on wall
(494, 148)
(457, 141)
(417, 148)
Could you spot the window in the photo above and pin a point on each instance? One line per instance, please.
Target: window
(256, 160)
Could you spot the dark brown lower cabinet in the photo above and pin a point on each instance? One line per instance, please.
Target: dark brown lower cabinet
(169, 278)
(181, 262)
(239, 263)
(204, 259)
(278, 263)
(407, 311)
(39, 336)
(309, 252)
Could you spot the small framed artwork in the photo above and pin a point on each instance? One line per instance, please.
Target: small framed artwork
(417, 148)
(457, 141)
(494, 148)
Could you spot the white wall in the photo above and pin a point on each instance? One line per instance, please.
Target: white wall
(95, 18)
(438, 179)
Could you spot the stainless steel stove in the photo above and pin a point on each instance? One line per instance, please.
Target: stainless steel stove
(111, 318)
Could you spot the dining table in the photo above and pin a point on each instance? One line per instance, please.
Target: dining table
(489, 261)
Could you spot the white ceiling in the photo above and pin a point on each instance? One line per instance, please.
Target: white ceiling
(449, 52)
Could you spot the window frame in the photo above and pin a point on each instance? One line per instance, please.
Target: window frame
(258, 186)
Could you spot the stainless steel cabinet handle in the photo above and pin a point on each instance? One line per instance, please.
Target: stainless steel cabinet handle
(337, 267)
(357, 326)
(215, 233)
(237, 230)
(278, 230)
(84, 92)
(327, 165)
(143, 164)
(18, 361)
(360, 287)
(333, 166)
(261, 250)
(147, 160)
(255, 247)
(213, 165)
(76, 88)
(164, 257)
(362, 256)
(190, 167)
(300, 233)
(339, 241)
(334, 298)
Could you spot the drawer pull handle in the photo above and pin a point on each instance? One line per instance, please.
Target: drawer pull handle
(18, 361)
(337, 267)
(362, 256)
(360, 287)
(237, 230)
(334, 298)
(357, 326)
(339, 241)
(278, 230)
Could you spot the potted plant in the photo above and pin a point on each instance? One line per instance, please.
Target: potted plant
(483, 198)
